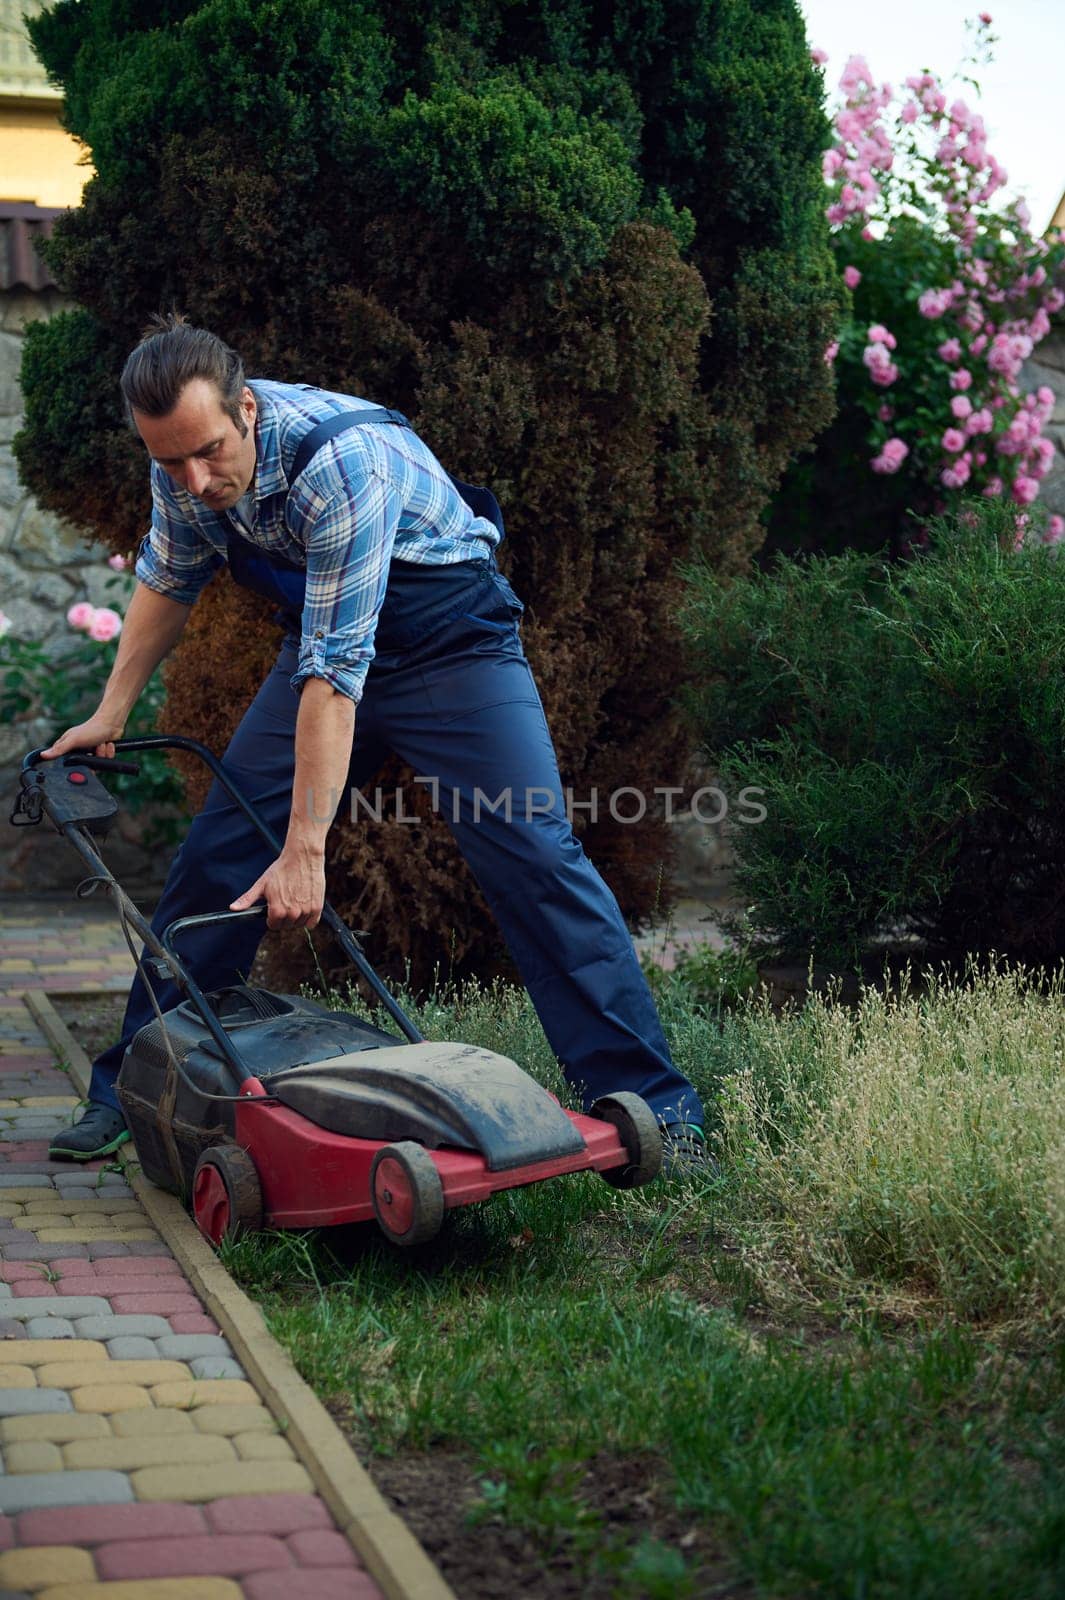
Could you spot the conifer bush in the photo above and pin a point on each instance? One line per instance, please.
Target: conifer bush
(583, 250)
(907, 729)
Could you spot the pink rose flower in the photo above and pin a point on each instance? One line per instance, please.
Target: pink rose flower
(1025, 489)
(961, 406)
(818, 56)
(5, 624)
(878, 334)
(1055, 530)
(953, 441)
(961, 379)
(985, 18)
(80, 615)
(891, 456)
(852, 277)
(117, 563)
(831, 352)
(105, 625)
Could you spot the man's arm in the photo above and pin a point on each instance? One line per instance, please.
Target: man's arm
(294, 885)
(151, 629)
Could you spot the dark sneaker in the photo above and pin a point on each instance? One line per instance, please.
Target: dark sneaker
(99, 1133)
(684, 1152)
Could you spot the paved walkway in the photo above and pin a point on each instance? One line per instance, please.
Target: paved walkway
(138, 1461)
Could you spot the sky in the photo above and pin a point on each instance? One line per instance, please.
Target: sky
(1023, 89)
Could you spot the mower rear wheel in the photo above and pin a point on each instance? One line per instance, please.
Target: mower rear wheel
(638, 1131)
(226, 1197)
(408, 1197)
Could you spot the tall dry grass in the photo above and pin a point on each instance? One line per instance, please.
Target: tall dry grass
(910, 1151)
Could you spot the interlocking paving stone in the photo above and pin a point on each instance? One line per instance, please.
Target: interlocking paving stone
(217, 1554)
(25, 1402)
(321, 1547)
(42, 1352)
(282, 1514)
(131, 1347)
(35, 1490)
(112, 1327)
(50, 1328)
(92, 1526)
(192, 1393)
(66, 1305)
(216, 1367)
(45, 1565)
(312, 1583)
(263, 1447)
(108, 1398)
(162, 1450)
(200, 1484)
(187, 1346)
(149, 1589)
(60, 1428)
(232, 1419)
(152, 1423)
(35, 1455)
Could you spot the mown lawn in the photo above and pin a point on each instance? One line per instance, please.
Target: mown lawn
(836, 1369)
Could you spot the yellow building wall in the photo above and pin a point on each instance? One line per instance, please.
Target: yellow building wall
(39, 161)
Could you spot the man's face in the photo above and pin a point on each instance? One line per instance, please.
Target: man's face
(201, 447)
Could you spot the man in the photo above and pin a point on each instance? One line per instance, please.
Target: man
(402, 636)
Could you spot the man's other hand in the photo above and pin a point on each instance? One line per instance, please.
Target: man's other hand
(293, 888)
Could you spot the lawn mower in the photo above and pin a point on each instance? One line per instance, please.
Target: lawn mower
(267, 1110)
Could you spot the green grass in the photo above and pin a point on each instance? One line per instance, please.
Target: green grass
(843, 1359)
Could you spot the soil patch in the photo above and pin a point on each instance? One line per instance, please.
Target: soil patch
(628, 1501)
(94, 1019)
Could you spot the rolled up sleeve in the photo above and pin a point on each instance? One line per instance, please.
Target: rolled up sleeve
(348, 552)
(175, 557)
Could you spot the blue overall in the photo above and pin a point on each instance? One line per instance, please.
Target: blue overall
(451, 693)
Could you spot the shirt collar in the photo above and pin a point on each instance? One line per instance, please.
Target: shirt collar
(269, 472)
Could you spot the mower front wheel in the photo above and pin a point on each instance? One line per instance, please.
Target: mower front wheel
(408, 1197)
(640, 1134)
(226, 1196)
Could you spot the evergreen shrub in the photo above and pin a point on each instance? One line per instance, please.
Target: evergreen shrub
(907, 727)
(583, 249)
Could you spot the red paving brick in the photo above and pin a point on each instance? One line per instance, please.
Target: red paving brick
(7, 1533)
(208, 1555)
(278, 1514)
(313, 1583)
(99, 1524)
(157, 1304)
(321, 1547)
(193, 1322)
(138, 1267)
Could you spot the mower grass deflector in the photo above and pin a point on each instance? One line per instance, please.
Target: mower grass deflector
(268, 1110)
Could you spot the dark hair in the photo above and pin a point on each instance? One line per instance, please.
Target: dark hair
(171, 353)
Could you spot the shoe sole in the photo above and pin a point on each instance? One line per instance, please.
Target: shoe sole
(59, 1152)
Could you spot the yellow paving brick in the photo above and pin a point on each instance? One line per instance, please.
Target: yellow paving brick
(230, 1419)
(37, 1455)
(45, 1565)
(109, 1397)
(75, 1374)
(27, 1223)
(212, 1483)
(17, 964)
(112, 1214)
(17, 1378)
(62, 1206)
(263, 1447)
(9, 1105)
(51, 1100)
(59, 1427)
(38, 1352)
(164, 1450)
(146, 1589)
(77, 964)
(8, 1212)
(196, 1392)
(152, 1424)
(94, 1235)
(22, 1195)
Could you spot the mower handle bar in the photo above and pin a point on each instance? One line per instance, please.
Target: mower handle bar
(339, 929)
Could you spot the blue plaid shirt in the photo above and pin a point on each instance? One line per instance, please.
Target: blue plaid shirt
(368, 494)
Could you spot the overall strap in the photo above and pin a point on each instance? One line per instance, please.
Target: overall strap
(313, 441)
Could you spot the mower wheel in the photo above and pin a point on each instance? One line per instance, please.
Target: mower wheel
(408, 1197)
(226, 1198)
(639, 1132)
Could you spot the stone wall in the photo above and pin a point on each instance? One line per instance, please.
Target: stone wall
(45, 566)
(1048, 366)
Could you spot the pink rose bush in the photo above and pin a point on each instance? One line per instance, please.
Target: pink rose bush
(952, 291)
(99, 622)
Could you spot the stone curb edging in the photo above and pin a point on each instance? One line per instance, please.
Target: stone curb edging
(381, 1540)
